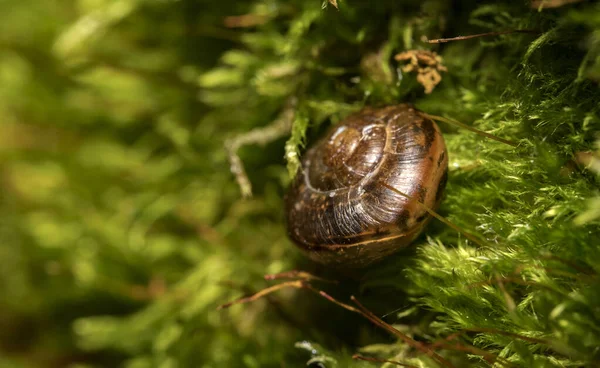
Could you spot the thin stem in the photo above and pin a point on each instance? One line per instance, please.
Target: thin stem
(285, 316)
(261, 136)
(428, 350)
(468, 235)
(510, 302)
(296, 274)
(489, 357)
(518, 281)
(337, 302)
(264, 292)
(487, 34)
(375, 360)
(587, 271)
(453, 336)
(444, 342)
(298, 284)
(418, 345)
(509, 334)
(470, 128)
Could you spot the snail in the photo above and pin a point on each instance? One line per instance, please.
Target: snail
(364, 188)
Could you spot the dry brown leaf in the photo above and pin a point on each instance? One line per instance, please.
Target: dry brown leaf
(427, 64)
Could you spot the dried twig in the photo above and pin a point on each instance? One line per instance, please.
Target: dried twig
(443, 343)
(487, 356)
(509, 334)
(427, 349)
(298, 284)
(295, 274)
(261, 136)
(587, 271)
(511, 306)
(301, 284)
(470, 128)
(408, 340)
(487, 34)
(468, 235)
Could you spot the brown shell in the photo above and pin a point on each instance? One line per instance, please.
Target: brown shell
(339, 212)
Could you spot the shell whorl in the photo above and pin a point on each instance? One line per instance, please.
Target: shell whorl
(338, 209)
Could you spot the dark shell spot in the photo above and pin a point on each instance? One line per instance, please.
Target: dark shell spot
(371, 187)
(441, 186)
(382, 232)
(441, 159)
(430, 132)
(402, 219)
(417, 129)
(345, 241)
(422, 217)
(422, 193)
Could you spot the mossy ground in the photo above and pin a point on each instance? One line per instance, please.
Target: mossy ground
(122, 228)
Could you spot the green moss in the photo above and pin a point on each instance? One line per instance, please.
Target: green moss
(122, 228)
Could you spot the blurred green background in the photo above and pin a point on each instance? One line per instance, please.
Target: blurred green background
(122, 228)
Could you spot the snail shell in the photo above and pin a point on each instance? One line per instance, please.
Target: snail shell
(339, 210)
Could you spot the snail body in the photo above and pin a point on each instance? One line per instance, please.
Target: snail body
(358, 195)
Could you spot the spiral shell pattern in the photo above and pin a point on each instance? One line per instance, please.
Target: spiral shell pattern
(340, 209)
